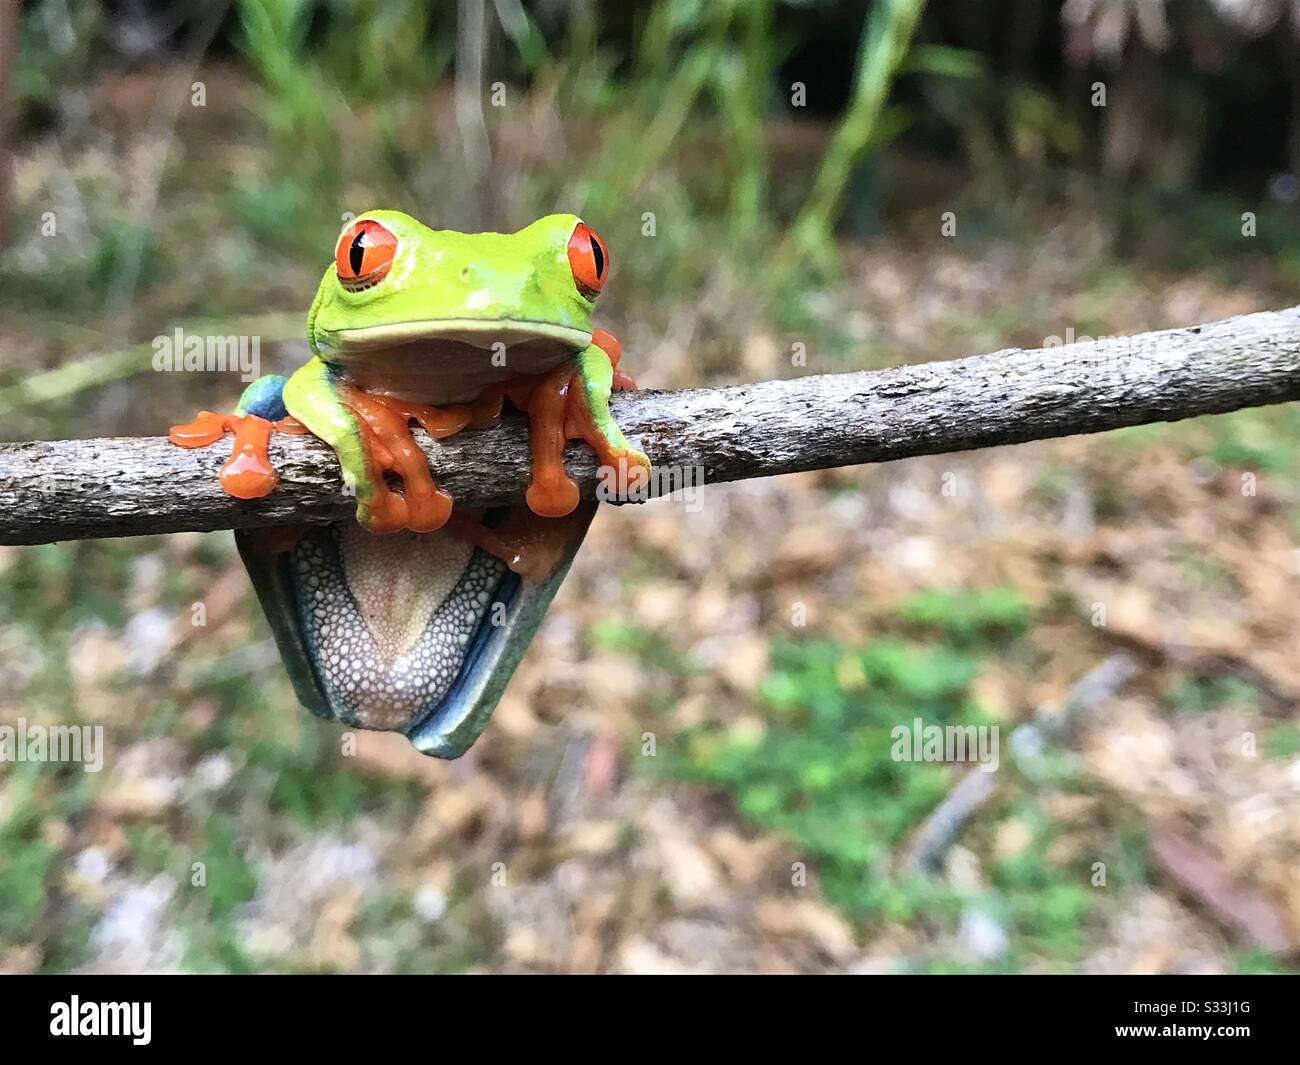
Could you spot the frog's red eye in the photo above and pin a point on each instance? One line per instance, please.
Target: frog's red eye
(364, 253)
(589, 260)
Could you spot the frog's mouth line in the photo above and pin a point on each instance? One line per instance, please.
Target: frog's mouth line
(479, 332)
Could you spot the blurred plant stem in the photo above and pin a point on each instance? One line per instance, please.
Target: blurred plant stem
(688, 56)
(671, 103)
(744, 82)
(471, 43)
(9, 20)
(529, 43)
(119, 303)
(295, 108)
(885, 41)
(104, 368)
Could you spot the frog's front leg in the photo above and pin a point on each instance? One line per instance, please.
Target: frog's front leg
(248, 473)
(590, 419)
(572, 403)
(371, 435)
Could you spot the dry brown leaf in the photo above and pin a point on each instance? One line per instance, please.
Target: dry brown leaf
(1196, 871)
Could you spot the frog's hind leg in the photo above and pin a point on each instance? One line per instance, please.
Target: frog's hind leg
(248, 473)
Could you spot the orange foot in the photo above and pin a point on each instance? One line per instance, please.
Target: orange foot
(248, 473)
(557, 410)
(392, 453)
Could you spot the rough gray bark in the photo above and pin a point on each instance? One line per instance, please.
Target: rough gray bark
(72, 489)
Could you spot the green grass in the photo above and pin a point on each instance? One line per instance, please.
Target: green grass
(651, 647)
(33, 907)
(1260, 440)
(1282, 741)
(1202, 695)
(1250, 962)
(820, 773)
(966, 618)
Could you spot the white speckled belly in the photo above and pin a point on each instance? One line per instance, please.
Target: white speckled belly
(390, 617)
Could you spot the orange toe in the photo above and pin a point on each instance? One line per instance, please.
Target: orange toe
(207, 428)
(248, 473)
(552, 498)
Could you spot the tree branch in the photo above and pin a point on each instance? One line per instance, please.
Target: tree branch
(72, 489)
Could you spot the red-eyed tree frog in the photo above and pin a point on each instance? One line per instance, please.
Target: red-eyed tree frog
(413, 617)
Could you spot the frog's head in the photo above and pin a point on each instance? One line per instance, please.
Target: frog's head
(402, 294)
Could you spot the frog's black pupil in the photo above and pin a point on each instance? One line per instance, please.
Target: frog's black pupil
(357, 253)
(598, 255)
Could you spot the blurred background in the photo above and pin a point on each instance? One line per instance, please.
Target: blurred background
(691, 770)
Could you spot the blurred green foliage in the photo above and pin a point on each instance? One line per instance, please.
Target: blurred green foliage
(348, 110)
(662, 111)
(1283, 741)
(1200, 695)
(968, 617)
(819, 770)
